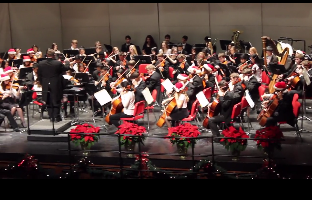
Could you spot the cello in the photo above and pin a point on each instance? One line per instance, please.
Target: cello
(213, 110)
(169, 108)
(268, 111)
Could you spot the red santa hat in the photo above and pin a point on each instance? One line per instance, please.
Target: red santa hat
(30, 51)
(11, 51)
(182, 77)
(4, 77)
(8, 69)
(208, 67)
(280, 86)
(26, 58)
(194, 70)
(178, 86)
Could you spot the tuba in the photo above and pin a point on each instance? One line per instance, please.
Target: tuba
(236, 41)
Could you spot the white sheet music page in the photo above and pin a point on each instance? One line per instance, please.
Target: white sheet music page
(103, 97)
(67, 77)
(167, 85)
(203, 101)
(249, 100)
(148, 96)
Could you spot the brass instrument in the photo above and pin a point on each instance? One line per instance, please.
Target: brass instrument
(236, 42)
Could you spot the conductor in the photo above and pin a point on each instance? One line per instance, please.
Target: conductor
(50, 75)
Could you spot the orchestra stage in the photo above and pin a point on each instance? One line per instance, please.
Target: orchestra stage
(294, 150)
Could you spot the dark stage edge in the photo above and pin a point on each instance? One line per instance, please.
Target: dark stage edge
(42, 131)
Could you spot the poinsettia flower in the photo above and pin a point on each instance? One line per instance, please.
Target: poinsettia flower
(75, 136)
(89, 138)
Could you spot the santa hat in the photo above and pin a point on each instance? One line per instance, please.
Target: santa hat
(182, 77)
(208, 67)
(30, 51)
(11, 51)
(26, 58)
(178, 86)
(8, 69)
(4, 77)
(280, 86)
(194, 69)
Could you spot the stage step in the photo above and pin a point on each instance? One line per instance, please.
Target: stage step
(42, 131)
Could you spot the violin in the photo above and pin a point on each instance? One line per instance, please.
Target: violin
(293, 82)
(74, 81)
(33, 59)
(240, 81)
(182, 65)
(124, 62)
(144, 77)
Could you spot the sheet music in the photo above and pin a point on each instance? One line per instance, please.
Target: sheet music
(249, 100)
(202, 99)
(148, 96)
(67, 77)
(306, 77)
(167, 85)
(103, 97)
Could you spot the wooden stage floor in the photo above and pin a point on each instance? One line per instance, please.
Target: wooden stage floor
(294, 151)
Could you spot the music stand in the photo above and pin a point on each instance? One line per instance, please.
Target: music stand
(143, 60)
(40, 59)
(109, 48)
(82, 77)
(138, 50)
(90, 50)
(277, 69)
(92, 67)
(188, 60)
(246, 45)
(16, 63)
(224, 44)
(24, 71)
(87, 59)
(70, 52)
(99, 55)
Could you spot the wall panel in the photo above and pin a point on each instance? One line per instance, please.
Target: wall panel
(5, 33)
(227, 17)
(41, 26)
(86, 23)
(135, 19)
(178, 20)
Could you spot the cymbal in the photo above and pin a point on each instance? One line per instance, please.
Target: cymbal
(237, 30)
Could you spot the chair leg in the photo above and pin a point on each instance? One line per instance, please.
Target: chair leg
(298, 132)
(154, 114)
(33, 110)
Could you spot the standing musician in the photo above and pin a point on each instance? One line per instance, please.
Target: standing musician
(50, 76)
(181, 67)
(11, 54)
(180, 111)
(209, 77)
(10, 95)
(195, 86)
(120, 64)
(31, 54)
(162, 66)
(226, 101)
(26, 62)
(153, 82)
(237, 87)
(139, 86)
(255, 67)
(127, 100)
(284, 110)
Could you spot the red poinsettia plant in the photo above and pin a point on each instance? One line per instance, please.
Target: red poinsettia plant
(128, 130)
(87, 139)
(234, 139)
(271, 132)
(182, 135)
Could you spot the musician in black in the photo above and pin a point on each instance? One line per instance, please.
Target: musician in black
(181, 67)
(251, 83)
(153, 82)
(7, 113)
(308, 88)
(237, 87)
(284, 111)
(50, 76)
(32, 77)
(209, 77)
(195, 86)
(186, 46)
(130, 64)
(243, 62)
(97, 72)
(221, 66)
(120, 64)
(181, 50)
(125, 46)
(295, 84)
(162, 66)
(298, 59)
(139, 86)
(226, 101)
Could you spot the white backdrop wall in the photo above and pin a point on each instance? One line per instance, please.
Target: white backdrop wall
(111, 22)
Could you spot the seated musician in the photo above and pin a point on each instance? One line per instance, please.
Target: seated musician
(162, 66)
(173, 58)
(251, 83)
(296, 86)
(11, 54)
(226, 101)
(127, 100)
(298, 59)
(31, 54)
(65, 100)
(180, 111)
(26, 62)
(243, 62)
(232, 55)
(153, 82)
(236, 86)
(200, 58)
(97, 72)
(77, 61)
(209, 77)
(37, 88)
(255, 67)
(153, 55)
(195, 86)
(99, 53)
(120, 64)
(181, 50)
(139, 86)
(10, 95)
(81, 68)
(130, 64)
(284, 110)
(222, 68)
(270, 58)
(181, 67)
(82, 51)
(132, 52)
(103, 82)
(308, 89)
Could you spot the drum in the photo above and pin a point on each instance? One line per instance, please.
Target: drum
(281, 46)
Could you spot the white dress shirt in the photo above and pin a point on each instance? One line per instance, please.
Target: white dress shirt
(128, 100)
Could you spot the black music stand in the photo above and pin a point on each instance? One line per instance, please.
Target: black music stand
(40, 59)
(224, 44)
(90, 50)
(142, 60)
(24, 71)
(16, 63)
(70, 52)
(246, 45)
(92, 67)
(99, 55)
(277, 69)
(188, 60)
(82, 77)
(87, 59)
(109, 48)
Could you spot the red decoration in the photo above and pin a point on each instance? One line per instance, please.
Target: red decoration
(177, 134)
(272, 132)
(28, 163)
(232, 133)
(130, 129)
(84, 138)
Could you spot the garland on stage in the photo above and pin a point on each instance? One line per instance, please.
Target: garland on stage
(142, 167)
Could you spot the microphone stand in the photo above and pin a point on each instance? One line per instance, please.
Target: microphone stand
(303, 113)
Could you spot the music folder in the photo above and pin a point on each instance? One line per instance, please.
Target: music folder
(143, 59)
(203, 101)
(24, 71)
(148, 96)
(277, 69)
(82, 77)
(16, 63)
(168, 85)
(70, 53)
(90, 50)
(249, 99)
(103, 97)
